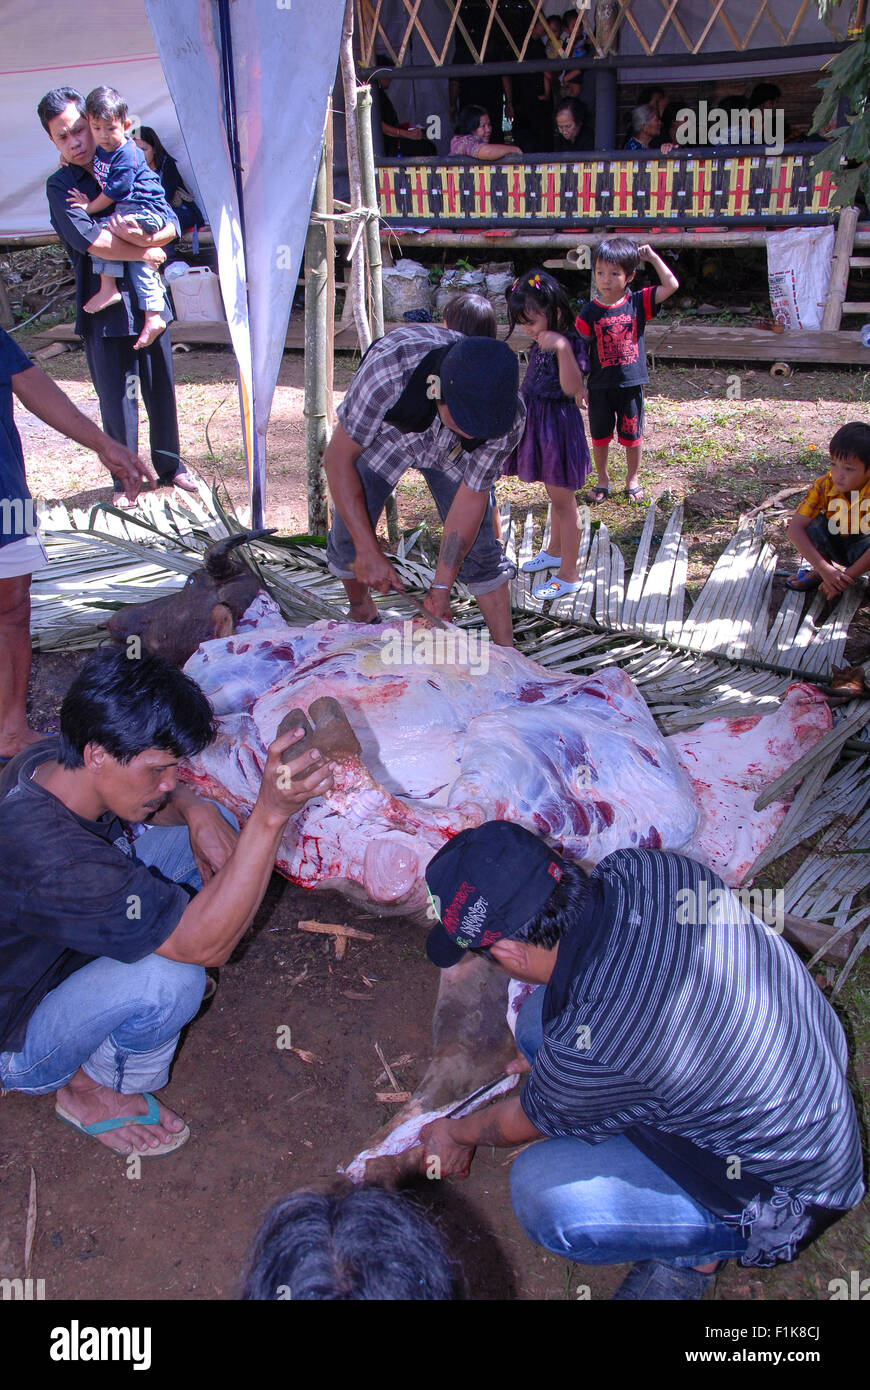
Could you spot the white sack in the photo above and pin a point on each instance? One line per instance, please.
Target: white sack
(798, 273)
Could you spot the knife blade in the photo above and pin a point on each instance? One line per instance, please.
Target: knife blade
(424, 612)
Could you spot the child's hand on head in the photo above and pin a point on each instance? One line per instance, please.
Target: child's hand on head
(645, 252)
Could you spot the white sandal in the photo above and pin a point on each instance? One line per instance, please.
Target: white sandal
(556, 588)
(542, 561)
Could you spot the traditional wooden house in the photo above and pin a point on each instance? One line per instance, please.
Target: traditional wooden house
(734, 172)
(697, 53)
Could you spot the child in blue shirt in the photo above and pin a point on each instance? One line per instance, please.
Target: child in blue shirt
(133, 190)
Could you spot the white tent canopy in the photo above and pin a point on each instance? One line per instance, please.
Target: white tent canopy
(58, 45)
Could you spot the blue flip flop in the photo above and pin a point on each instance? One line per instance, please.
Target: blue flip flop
(151, 1117)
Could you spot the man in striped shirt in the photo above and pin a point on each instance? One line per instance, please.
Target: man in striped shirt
(686, 1073)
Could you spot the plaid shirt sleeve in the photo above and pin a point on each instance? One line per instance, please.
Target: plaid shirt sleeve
(377, 385)
(816, 500)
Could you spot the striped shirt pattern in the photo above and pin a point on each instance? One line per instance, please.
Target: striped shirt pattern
(708, 1029)
(377, 386)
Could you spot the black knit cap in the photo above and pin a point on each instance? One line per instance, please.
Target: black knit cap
(480, 378)
(486, 883)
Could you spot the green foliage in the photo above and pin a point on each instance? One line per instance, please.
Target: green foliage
(849, 77)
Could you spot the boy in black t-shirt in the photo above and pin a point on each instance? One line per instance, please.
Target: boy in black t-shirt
(612, 325)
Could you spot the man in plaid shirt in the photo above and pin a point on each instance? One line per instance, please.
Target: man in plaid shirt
(425, 397)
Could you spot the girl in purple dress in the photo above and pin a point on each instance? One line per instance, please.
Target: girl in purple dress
(553, 449)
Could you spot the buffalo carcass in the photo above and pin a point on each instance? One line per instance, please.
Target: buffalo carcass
(450, 740)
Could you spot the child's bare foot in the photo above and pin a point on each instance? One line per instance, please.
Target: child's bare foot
(152, 328)
(103, 299)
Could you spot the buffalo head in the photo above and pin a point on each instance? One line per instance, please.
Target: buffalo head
(209, 605)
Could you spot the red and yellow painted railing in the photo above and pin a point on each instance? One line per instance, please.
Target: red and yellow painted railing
(689, 189)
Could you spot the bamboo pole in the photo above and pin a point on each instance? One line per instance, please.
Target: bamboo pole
(845, 240)
(517, 237)
(369, 184)
(317, 310)
(7, 318)
(356, 255)
(370, 198)
(328, 146)
(544, 240)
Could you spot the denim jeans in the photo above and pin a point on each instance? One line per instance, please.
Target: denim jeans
(607, 1203)
(119, 1022)
(484, 567)
(146, 281)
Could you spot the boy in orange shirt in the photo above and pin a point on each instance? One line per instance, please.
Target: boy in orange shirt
(831, 526)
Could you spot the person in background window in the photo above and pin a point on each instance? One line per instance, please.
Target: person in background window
(179, 198)
(670, 123)
(646, 127)
(573, 78)
(400, 138)
(472, 138)
(487, 88)
(573, 126)
(529, 96)
(764, 95)
(654, 97)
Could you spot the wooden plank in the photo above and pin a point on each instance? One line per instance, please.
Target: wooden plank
(844, 244)
(658, 600)
(683, 340)
(638, 574)
(677, 600)
(754, 344)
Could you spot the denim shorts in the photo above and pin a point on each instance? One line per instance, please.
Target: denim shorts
(484, 568)
(836, 548)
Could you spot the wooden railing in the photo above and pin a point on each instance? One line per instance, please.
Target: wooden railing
(708, 187)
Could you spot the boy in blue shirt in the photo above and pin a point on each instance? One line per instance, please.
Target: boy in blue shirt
(134, 190)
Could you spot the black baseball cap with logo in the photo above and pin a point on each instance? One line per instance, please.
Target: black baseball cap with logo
(486, 883)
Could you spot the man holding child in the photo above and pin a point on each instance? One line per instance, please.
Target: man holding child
(118, 371)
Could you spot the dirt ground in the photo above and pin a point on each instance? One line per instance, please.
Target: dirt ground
(263, 1121)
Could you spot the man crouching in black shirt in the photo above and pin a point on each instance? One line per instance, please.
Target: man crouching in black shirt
(104, 935)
